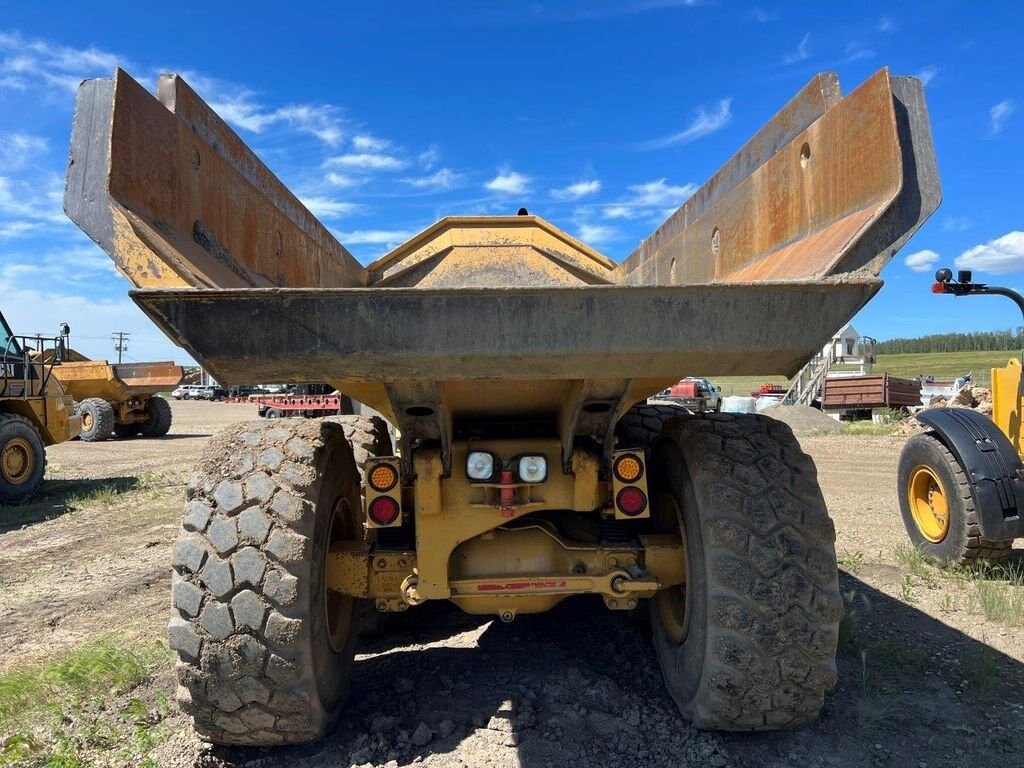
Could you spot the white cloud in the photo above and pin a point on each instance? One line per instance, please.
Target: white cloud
(54, 66)
(367, 143)
(855, 52)
(508, 182)
(389, 237)
(34, 199)
(887, 25)
(367, 161)
(430, 157)
(956, 224)
(594, 234)
(927, 74)
(243, 109)
(11, 229)
(650, 200)
(445, 178)
(922, 261)
(326, 208)
(18, 149)
(661, 193)
(1000, 256)
(999, 114)
(703, 123)
(577, 190)
(802, 52)
(340, 180)
(761, 16)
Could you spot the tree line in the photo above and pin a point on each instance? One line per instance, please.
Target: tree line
(1009, 339)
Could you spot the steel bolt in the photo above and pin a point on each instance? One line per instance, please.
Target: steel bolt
(631, 604)
(382, 564)
(613, 603)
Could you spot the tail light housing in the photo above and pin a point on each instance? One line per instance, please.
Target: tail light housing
(629, 485)
(383, 489)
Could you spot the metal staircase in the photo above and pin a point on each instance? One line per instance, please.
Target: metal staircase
(807, 386)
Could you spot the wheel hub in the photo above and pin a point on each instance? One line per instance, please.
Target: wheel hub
(672, 605)
(86, 421)
(928, 504)
(18, 461)
(339, 615)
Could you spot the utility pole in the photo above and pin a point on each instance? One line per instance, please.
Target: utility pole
(120, 339)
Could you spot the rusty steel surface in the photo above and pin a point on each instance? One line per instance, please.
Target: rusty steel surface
(184, 201)
(799, 213)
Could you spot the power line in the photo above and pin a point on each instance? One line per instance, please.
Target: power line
(120, 339)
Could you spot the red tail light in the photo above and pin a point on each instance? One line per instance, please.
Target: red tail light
(383, 510)
(631, 501)
(938, 288)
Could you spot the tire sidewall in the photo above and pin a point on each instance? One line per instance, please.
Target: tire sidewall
(671, 476)
(927, 450)
(332, 669)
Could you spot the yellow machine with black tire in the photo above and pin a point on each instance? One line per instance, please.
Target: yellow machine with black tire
(515, 363)
(34, 411)
(961, 483)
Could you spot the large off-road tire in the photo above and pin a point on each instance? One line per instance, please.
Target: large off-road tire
(265, 650)
(159, 423)
(938, 508)
(97, 419)
(749, 642)
(22, 459)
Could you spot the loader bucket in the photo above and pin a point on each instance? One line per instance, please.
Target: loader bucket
(503, 317)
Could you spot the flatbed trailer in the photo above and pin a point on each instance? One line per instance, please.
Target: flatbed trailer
(310, 406)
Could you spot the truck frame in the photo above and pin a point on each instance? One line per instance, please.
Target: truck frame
(528, 468)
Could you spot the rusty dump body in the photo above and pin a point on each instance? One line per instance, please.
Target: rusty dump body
(503, 318)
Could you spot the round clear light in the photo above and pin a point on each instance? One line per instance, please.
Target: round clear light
(533, 469)
(480, 465)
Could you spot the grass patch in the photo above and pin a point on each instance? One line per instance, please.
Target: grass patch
(852, 562)
(62, 713)
(868, 428)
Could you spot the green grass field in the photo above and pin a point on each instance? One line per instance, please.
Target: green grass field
(941, 365)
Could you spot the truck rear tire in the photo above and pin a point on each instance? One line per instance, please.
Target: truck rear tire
(265, 650)
(97, 419)
(22, 459)
(938, 508)
(749, 642)
(160, 416)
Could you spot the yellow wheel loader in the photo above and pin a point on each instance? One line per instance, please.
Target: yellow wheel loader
(961, 483)
(514, 362)
(34, 411)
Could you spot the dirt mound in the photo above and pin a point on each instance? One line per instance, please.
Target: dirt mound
(803, 419)
(976, 398)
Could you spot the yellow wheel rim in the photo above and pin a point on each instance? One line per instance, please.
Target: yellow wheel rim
(673, 607)
(18, 461)
(928, 504)
(337, 606)
(86, 421)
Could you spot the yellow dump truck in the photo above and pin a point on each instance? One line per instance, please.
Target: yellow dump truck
(961, 483)
(34, 411)
(120, 398)
(514, 361)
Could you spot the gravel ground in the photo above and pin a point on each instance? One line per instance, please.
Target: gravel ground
(804, 420)
(925, 680)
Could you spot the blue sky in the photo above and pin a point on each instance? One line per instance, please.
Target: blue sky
(602, 117)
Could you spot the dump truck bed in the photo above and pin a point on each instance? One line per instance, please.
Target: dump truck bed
(488, 317)
(117, 381)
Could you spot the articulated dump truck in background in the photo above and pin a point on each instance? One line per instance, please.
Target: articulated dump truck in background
(514, 361)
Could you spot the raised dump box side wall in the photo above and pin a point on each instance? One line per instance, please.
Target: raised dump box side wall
(490, 315)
